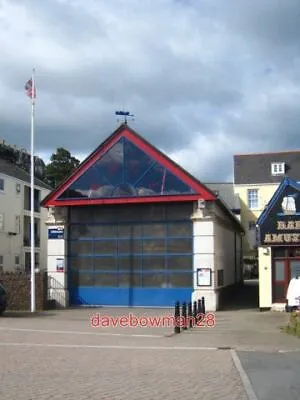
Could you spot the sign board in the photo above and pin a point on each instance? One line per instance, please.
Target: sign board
(281, 227)
(60, 265)
(204, 277)
(56, 233)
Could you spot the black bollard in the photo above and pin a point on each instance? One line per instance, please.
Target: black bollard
(190, 314)
(195, 313)
(177, 318)
(199, 309)
(184, 316)
(203, 305)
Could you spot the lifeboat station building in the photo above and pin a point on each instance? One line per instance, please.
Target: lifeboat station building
(132, 228)
(278, 229)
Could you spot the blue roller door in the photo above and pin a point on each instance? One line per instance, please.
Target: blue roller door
(130, 263)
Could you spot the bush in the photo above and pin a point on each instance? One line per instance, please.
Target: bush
(293, 326)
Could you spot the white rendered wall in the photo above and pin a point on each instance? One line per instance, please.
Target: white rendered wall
(57, 258)
(204, 256)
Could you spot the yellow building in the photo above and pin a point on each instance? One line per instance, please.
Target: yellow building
(257, 179)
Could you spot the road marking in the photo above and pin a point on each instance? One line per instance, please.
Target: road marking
(87, 346)
(244, 378)
(80, 332)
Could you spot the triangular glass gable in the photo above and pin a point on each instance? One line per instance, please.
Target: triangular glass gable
(279, 224)
(125, 171)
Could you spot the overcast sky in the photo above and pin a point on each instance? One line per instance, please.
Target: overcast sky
(206, 79)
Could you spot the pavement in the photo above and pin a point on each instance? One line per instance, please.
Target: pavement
(59, 355)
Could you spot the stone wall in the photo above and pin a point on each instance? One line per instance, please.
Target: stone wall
(18, 288)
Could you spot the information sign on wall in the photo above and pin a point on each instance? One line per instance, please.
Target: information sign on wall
(55, 233)
(204, 277)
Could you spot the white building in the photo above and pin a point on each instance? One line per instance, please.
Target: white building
(130, 227)
(15, 219)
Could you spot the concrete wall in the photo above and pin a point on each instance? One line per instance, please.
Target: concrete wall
(265, 277)
(216, 246)
(12, 234)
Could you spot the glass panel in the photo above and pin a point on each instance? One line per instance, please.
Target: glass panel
(180, 245)
(128, 231)
(180, 262)
(180, 229)
(154, 246)
(81, 263)
(130, 263)
(278, 252)
(295, 268)
(130, 280)
(179, 211)
(157, 279)
(180, 280)
(154, 230)
(105, 247)
(127, 246)
(83, 279)
(279, 292)
(125, 171)
(293, 252)
(154, 262)
(81, 247)
(105, 263)
(106, 279)
(101, 231)
(154, 212)
(279, 270)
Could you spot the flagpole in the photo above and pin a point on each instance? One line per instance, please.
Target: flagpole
(32, 238)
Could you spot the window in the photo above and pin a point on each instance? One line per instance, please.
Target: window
(278, 168)
(253, 198)
(251, 225)
(18, 223)
(1, 184)
(17, 260)
(1, 261)
(220, 277)
(126, 170)
(18, 188)
(1, 221)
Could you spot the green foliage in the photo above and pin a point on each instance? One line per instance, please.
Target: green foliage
(8, 153)
(293, 326)
(61, 165)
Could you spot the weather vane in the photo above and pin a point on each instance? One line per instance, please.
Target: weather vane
(124, 114)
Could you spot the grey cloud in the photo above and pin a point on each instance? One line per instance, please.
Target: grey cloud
(218, 76)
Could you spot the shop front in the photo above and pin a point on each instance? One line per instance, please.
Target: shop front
(278, 229)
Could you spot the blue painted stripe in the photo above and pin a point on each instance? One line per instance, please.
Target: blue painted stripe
(139, 297)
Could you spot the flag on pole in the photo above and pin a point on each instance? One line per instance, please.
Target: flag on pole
(30, 89)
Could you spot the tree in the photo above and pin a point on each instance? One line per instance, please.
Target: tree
(61, 165)
(8, 153)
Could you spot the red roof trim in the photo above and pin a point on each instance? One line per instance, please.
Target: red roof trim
(128, 200)
(201, 190)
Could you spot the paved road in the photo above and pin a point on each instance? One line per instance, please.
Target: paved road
(273, 376)
(58, 355)
(61, 357)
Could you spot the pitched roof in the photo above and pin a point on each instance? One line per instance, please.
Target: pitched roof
(10, 169)
(283, 185)
(256, 168)
(124, 131)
